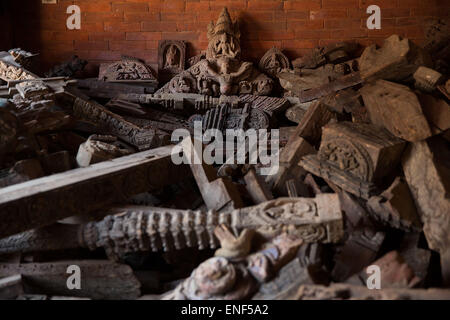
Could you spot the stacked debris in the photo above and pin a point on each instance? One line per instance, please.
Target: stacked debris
(88, 184)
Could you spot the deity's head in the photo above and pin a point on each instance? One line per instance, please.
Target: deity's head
(223, 38)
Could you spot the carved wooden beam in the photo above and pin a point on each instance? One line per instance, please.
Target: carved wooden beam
(427, 172)
(344, 82)
(45, 200)
(133, 229)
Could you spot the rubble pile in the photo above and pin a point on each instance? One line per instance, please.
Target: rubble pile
(88, 181)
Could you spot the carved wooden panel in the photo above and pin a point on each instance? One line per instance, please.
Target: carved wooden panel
(171, 59)
(126, 70)
(355, 156)
(397, 108)
(273, 62)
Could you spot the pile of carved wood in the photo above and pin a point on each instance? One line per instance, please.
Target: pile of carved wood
(92, 205)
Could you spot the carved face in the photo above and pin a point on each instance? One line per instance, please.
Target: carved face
(223, 45)
(172, 59)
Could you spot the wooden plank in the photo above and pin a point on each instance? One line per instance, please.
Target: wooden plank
(397, 108)
(46, 200)
(344, 82)
(100, 279)
(427, 171)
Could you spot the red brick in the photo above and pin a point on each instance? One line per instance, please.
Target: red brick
(106, 36)
(383, 4)
(173, 6)
(91, 45)
(302, 5)
(129, 45)
(101, 16)
(306, 44)
(265, 5)
(200, 6)
(305, 25)
(122, 26)
(349, 33)
(95, 6)
(146, 36)
(129, 7)
(188, 36)
(141, 16)
(312, 34)
(340, 4)
(328, 14)
(342, 23)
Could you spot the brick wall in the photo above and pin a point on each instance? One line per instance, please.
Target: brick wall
(133, 27)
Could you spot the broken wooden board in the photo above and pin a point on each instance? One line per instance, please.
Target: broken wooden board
(427, 172)
(257, 187)
(91, 111)
(437, 112)
(108, 90)
(395, 207)
(302, 142)
(310, 127)
(355, 156)
(11, 287)
(359, 251)
(100, 279)
(45, 200)
(396, 60)
(397, 108)
(218, 193)
(343, 82)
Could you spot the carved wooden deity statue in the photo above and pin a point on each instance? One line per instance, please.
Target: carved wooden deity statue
(222, 72)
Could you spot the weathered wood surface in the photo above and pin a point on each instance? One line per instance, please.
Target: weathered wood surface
(11, 287)
(395, 207)
(310, 127)
(355, 156)
(359, 251)
(100, 279)
(144, 228)
(397, 108)
(218, 193)
(45, 200)
(100, 89)
(437, 112)
(301, 142)
(341, 83)
(352, 292)
(427, 171)
(396, 60)
(257, 187)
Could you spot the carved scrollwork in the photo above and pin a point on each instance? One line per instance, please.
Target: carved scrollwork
(183, 83)
(273, 62)
(127, 69)
(347, 156)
